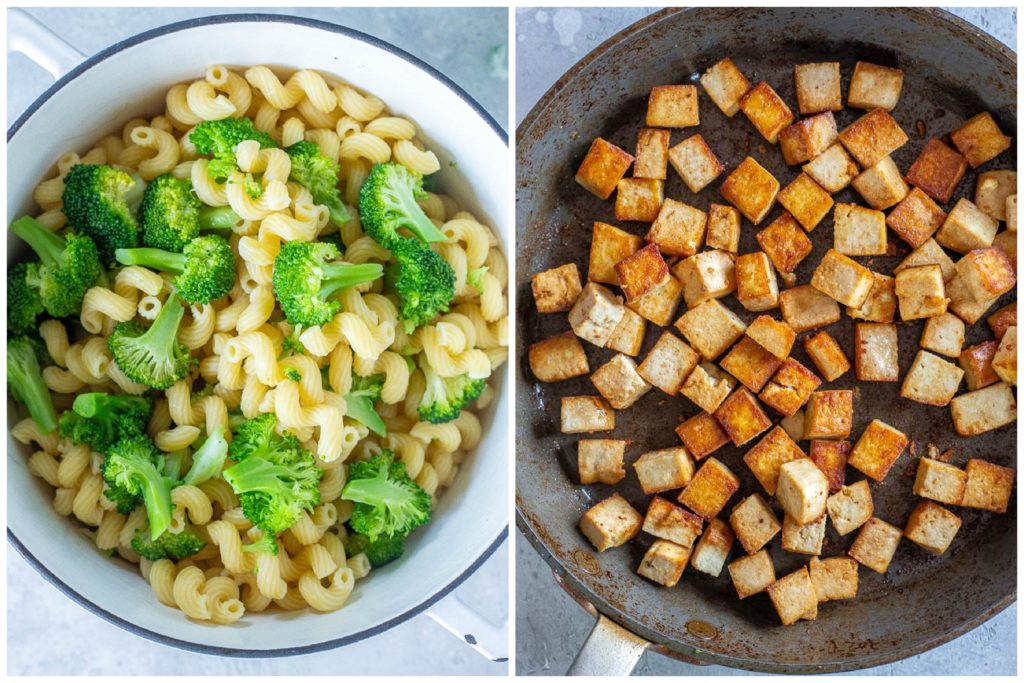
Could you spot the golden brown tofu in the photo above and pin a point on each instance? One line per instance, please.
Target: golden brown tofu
(963, 303)
(967, 227)
(993, 190)
(794, 597)
(707, 275)
(931, 380)
(603, 168)
(742, 417)
(850, 507)
(641, 272)
(610, 523)
(829, 415)
(983, 410)
(827, 355)
(702, 435)
(830, 457)
(725, 84)
(751, 574)
(1007, 241)
(652, 153)
(695, 163)
(751, 189)
(805, 539)
(806, 201)
(881, 186)
(833, 169)
(672, 523)
(880, 306)
(980, 139)
(556, 290)
(859, 231)
(1011, 213)
(664, 563)
(768, 456)
(710, 489)
(558, 358)
(921, 292)
(877, 449)
(876, 544)
(754, 523)
(668, 364)
(988, 487)
(790, 388)
(808, 138)
(987, 273)
(679, 228)
(1003, 319)
(664, 470)
(939, 481)
(757, 288)
(944, 334)
(876, 352)
(929, 253)
(834, 578)
(628, 335)
(619, 382)
(707, 386)
(937, 170)
(713, 548)
(766, 110)
(608, 246)
(932, 527)
(916, 218)
(750, 363)
(659, 306)
(874, 87)
(873, 136)
(723, 228)
(586, 414)
(774, 335)
(817, 87)
(976, 362)
(596, 314)
(710, 328)
(1004, 363)
(600, 461)
(785, 243)
(802, 490)
(672, 106)
(639, 199)
(843, 279)
(805, 308)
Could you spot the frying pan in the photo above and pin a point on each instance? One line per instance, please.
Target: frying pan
(952, 71)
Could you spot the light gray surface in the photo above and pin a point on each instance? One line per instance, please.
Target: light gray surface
(550, 625)
(470, 47)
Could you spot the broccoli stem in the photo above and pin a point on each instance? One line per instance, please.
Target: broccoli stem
(217, 218)
(339, 214)
(156, 497)
(26, 382)
(163, 334)
(151, 258)
(339, 276)
(208, 460)
(173, 464)
(47, 245)
(412, 216)
(255, 474)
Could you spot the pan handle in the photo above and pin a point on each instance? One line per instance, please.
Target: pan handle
(37, 42)
(609, 650)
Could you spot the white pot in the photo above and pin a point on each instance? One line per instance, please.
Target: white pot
(130, 79)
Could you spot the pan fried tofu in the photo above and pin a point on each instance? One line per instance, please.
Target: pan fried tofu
(679, 228)
(829, 415)
(1003, 319)
(672, 523)
(652, 153)
(983, 410)
(742, 417)
(967, 227)
(859, 231)
(774, 335)
(876, 544)
(702, 435)
(830, 457)
(785, 243)
(1011, 212)
(976, 362)
(628, 336)
(806, 201)
(556, 290)
(707, 275)
(877, 449)
(725, 84)
(881, 186)
(794, 597)
(639, 199)
(992, 191)
(808, 138)
(880, 306)
(669, 363)
(817, 87)
(873, 136)
(672, 106)
(802, 490)
(723, 228)
(932, 527)
(931, 380)
(874, 87)
(963, 303)
(664, 563)
(695, 163)
(986, 273)
(834, 578)
(833, 169)
(596, 314)
(751, 189)
(769, 455)
(608, 246)
(827, 355)
(710, 328)
(988, 487)
(805, 308)
(664, 470)
(944, 334)
(751, 574)
(843, 279)
(713, 548)
(876, 352)
(937, 170)
(707, 386)
(619, 382)
(558, 358)
(642, 272)
(805, 539)
(600, 461)
(921, 292)
(850, 507)
(603, 167)
(916, 218)
(659, 306)
(610, 523)
(980, 139)
(750, 363)
(794, 425)
(766, 110)
(754, 523)
(1007, 241)
(927, 254)
(1004, 363)
(586, 414)
(939, 481)
(710, 489)
(790, 388)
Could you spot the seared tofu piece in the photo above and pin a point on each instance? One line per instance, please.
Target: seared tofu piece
(1003, 319)
(751, 189)
(876, 544)
(558, 358)
(916, 218)
(877, 449)
(642, 272)
(668, 364)
(829, 414)
(986, 273)
(1011, 212)
(859, 231)
(850, 507)
(873, 136)
(881, 186)
(790, 388)
(664, 563)
(695, 163)
(750, 363)
(707, 275)
(817, 87)
(921, 292)
(967, 227)
(944, 334)
(556, 290)
(774, 335)
(988, 487)
(834, 578)
(874, 87)
(754, 523)
(992, 191)
(880, 306)
(980, 139)
(586, 414)
(976, 362)
(931, 380)
(710, 328)
(765, 109)
(723, 228)
(628, 336)
(725, 84)
(751, 574)
(937, 170)
(652, 153)
(679, 228)
(806, 201)
(808, 138)
(619, 382)
(610, 523)
(802, 490)
(639, 199)
(830, 457)
(707, 386)
(794, 425)
(596, 314)
(794, 597)
(608, 246)
(876, 352)
(785, 243)
(702, 435)
(600, 461)
(672, 106)
(805, 308)
(664, 470)
(710, 489)
(843, 279)
(939, 481)
(603, 168)
(766, 458)
(672, 523)
(932, 527)
(833, 169)
(805, 539)
(963, 303)
(659, 306)
(713, 548)
(929, 253)
(1007, 241)
(983, 410)
(1004, 363)
(827, 355)
(742, 417)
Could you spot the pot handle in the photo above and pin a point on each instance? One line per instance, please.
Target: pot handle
(472, 628)
(37, 42)
(609, 650)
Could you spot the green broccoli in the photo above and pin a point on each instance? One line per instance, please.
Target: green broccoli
(424, 282)
(168, 546)
(318, 173)
(67, 268)
(101, 202)
(219, 219)
(205, 269)
(208, 458)
(23, 302)
(259, 437)
(385, 549)
(134, 468)
(153, 357)
(475, 278)
(25, 381)
(360, 400)
(305, 280)
(174, 463)
(169, 214)
(266, 544)
(387, 203)
(388, 502)
(101, 420)
(445, 397)
(220, 138)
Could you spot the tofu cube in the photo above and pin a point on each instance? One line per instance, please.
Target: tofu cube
(802, 490)
(987, 273)
(944, 334)
(659, 306)
(785, 243)
(586, 414)
(556, 290)
(794, 597)
(976, 362)
(754, 523)
(874, 87)
(877, 449)
(723, 228)
(916, 218)
(710, 328)
(751, 574)
(806, 201)
(695, 163)
(596, 314)
(628, 336)
(710, 489)
(639, 199)
(932, 527)
(610, 523)
(833, 169)
(794, 425)
(702, 435)
(805, 308)
(713, 548)
(558, 358)
(989, 486)
(808, 138)
(827, 356)
(1007, 241)
(1003, 319)
(817, 87)
(851, 507)
(672, 106)
(678, 229)
(927, 254)
(983, 410)
(603, 167)
(707, 275)
(876, 352)
(931, 380)
(608, 246)
(859, 231)
(921, 292)
(769, 455)
(600, 461)
(750, 363)
(966, 228)
(830, 457)
(619, 382)
(766, 110)
(834, 578)
(939, 481)
(805, 539)
(742, 417)
(672, 523)
(652, 153)
(664, 470)
(992, 191)
(790, 388)
(669, 363)
(980, 139)
(829, 415)
(881, 186)
(774, 335)
(707, 386)
(664, 563)
(843, 279)
(641, 272)
(725, 84)
(963, 303)
(937, 170)
(880, 306)
(1011, 212)
(873, 136)
(751, 189)
(1004, 363)
(876, 544)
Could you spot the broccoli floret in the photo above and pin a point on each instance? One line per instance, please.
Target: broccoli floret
(134, 468)
(205, 269)
(174, 463)
(67, 267)
(101, 420)
(332, 238)
(360, 400)
(318, 173)
(23, 302)
(168, 546)
(208, 459)
(475, 278)
(292, 346)
(153, 357)
(25, 381)
(101, 202)
(258, 437)
(266, 544)
(387, 203)
(305, 280)
(385, 549)
(169, 214)
(388, 502)
(220, 138)
(423, 280)
(445, 397)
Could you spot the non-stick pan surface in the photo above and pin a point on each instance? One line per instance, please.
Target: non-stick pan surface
(952, 71)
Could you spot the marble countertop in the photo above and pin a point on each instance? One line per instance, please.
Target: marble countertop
(550, 626)
(48, 633)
